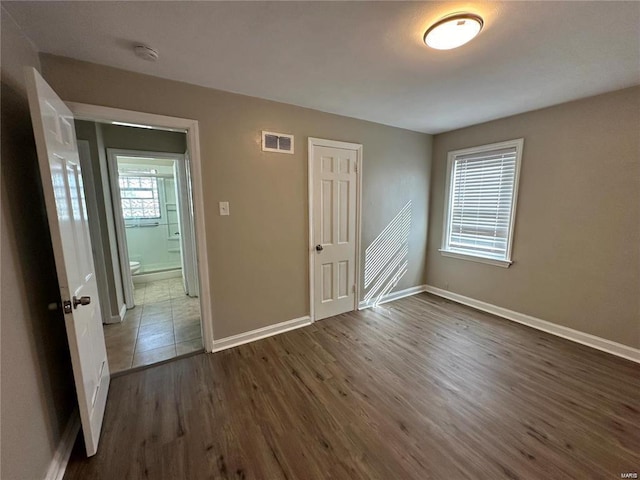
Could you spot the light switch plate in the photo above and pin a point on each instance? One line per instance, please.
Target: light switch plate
(224, 208)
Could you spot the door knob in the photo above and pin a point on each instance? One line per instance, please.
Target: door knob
(81, 301)
(319, 248)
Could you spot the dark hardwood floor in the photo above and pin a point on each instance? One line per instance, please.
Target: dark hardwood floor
(421, 388)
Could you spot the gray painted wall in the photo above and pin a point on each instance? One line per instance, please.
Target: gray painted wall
(259, 254)
(576, 246)
(130, 138)
(38, 395)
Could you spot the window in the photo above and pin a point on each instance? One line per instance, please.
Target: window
(139, 197)
(481, 202)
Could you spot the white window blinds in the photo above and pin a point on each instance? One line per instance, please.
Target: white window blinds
(481, 201)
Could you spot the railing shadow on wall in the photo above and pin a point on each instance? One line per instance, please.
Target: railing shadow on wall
(386, 257)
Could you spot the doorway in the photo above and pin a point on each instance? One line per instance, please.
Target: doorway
(143, 184)
(72, 187)
(154, 230)
(153, 220)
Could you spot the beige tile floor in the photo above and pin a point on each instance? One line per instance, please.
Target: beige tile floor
(165, 323)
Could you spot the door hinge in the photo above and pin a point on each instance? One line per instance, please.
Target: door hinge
(353, 288)
(355, 166)
(66, 306)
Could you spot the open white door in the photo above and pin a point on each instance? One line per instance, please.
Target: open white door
(62, 184)
(333, 197)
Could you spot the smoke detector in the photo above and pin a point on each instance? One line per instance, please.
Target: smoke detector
(146, 53)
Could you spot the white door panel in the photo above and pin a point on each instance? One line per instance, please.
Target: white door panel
(334, 188)
(67, 214)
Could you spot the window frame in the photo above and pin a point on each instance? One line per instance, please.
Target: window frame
(446, 227)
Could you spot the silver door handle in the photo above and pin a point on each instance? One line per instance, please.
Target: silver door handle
(319, 248)
(81, 301)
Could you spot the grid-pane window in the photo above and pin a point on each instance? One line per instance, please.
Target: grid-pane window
(481, 203)
(139, 197)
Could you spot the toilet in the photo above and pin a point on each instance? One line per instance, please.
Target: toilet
(134, 267)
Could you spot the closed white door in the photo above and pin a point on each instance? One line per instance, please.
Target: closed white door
(67, 214)
(334, 195)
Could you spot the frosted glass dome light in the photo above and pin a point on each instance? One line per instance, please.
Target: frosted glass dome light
(453, 31)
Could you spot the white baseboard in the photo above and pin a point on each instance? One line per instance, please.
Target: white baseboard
(577, 336)
(153, 277)
(264, 332)
(118, 318)
(390, 297)
(63, 452)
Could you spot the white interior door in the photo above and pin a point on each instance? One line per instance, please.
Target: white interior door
(333, 186)
(62, 183)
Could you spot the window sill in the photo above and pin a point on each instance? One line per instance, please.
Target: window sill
(475, 258)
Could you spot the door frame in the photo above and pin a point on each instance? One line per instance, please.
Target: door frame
(357, 147)
(187, 243)
(98, 113)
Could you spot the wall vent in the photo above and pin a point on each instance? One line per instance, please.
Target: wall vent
(277, 142)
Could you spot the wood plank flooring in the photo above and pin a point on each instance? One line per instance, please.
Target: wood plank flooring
(421, 388)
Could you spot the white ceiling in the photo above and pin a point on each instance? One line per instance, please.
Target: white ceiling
(360, 59)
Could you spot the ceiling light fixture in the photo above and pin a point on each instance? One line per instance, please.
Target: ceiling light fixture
(453, 31)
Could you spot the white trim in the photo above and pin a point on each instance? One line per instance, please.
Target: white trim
(360, 167)
(519, 146)
(312, 313)
(187, 244)
(123, 312)
(475, 258)
(99, 113)
(390, 297)
(260, 333)
(188, 258)
(62, 454)
(357, 147)
(94, 113)
(154, 276)
(190, 280)
(587, 339)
